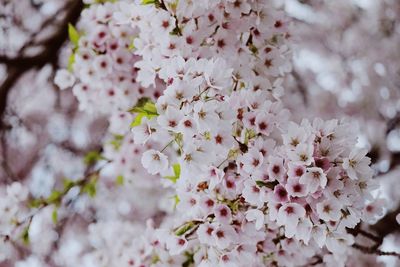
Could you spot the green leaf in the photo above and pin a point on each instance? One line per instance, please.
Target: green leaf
(54, 216)
(144, 108)
(261, 183)
(25, 235)
(173, 6)
(132, 45)
(119, 137)
(150, 108)
(92, 157)
(138, 120)
(90, 187)
(270, 185)
(142, 101)
(154, 259)
(35, 203)
(234, 205)
(71, 61)
(177, 169)
(171, 178)
(148, 2)
(249, 134)
(68, 184)
(117, 141)
(54, 197)
(184, 228)
(73, 34)
(176, 200)
(138, 110)
(177, 173)
(120, 180)
(207, 135)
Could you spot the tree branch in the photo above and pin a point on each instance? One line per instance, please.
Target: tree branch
(387, 224)
(18, 65)
(373, 250)
(300, 86)
(12, 76)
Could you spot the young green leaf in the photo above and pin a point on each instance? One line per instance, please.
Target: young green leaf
(171, 178)
(177, 172)
(138, 120)
(54, 197)
(35, 203)
(92, 157)
(148, 2)
(270, 185)
(73, 34)
(150, 108)
(120, 180)
(90, 187)
(184, 228)
(144, 108)
(177, 169)
(68, 184)
(25, 235)
(117, 141)
(54, 216)
(71, 61)
(176, 200)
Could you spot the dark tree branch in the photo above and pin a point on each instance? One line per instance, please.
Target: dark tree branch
(393, 123)
(13, 75)
(51, 46)
(387, 224)
(300, 86)
(382, 228)
(317, 261)
(4, 161)
(373, 250)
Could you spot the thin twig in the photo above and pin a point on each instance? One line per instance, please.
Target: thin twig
(372, 250)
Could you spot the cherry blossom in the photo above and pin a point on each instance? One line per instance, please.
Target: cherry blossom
(154, 161)
(196, 137)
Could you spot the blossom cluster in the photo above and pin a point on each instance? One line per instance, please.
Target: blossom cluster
(206, 30)
(12, 208)
(250, 185)
(102, 63)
